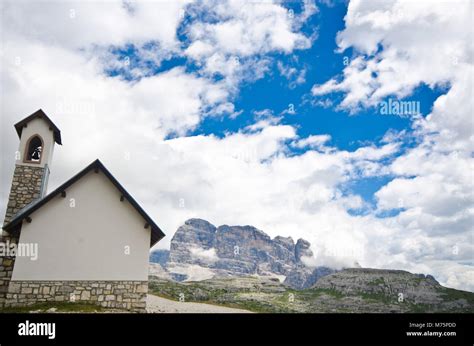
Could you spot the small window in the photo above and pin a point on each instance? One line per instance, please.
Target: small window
(34, 148)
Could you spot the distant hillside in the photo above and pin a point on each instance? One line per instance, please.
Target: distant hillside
(242, 267)
(350, 290)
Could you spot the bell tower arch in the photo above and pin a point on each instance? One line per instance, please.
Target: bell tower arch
(38, 135)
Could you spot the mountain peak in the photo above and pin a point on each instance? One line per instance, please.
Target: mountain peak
(239, 250)
(200, 223)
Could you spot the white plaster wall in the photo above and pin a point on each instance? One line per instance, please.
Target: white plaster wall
(86, 242)
(40, 127)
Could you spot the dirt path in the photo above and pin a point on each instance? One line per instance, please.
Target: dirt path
(155, 304)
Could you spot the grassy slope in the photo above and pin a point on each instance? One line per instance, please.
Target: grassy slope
(259, 298)
(310, 300)
(59, 306)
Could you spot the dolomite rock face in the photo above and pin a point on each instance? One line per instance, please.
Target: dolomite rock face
(194, 235)
(303, 277)
(302, 249)
(236, 250)
(248, 250)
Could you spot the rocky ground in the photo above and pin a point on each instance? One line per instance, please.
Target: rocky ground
(348, 291)
(155, 304)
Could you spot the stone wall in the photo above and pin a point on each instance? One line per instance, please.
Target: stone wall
(129, 295)
(6, 267)
(26, 187)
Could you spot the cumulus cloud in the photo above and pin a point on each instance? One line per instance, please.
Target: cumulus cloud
(399, 46)
(292, 74)
(105, 23)
(309, 261)
(313, 141)
(238, 34)
(207, 255)
(410, 56)
(244, 29)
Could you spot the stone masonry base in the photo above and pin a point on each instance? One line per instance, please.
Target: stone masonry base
(26, 187)
(129, 295)
(6, 268)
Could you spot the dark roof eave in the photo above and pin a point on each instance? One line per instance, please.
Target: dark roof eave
(39, 113)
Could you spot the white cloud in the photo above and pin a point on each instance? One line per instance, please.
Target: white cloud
(264, 118)
(240, 33)
(245, 29)
(313, 141)
(376, 153)
(78, 24)
(422, 43)
(309, 261)
(293, 75)
(207, 255)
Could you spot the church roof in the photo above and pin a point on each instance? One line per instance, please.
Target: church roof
(13, 225)
(39, 114)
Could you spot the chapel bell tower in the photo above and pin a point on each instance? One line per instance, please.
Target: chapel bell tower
(37, 137)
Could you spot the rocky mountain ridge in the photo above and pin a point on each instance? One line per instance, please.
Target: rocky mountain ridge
(200, 250)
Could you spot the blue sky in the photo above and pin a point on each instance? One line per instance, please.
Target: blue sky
(275, 92)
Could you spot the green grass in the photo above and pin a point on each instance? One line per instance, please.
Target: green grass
(60, 307)
(451, 294)
(284, 298)
(307, 300)
(420, 308)
(317, 292)
(198, 293)
(254, 306)
(379, 297)
(378, 281)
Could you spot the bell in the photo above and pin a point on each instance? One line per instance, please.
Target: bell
(36, 154)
